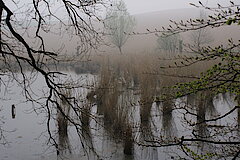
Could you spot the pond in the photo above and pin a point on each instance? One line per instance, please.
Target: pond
(122, 125)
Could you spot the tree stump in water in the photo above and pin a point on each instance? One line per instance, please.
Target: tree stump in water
(13, 111)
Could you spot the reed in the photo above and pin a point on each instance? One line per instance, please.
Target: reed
(144, 75)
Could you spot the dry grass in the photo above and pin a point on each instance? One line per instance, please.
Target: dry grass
(144, 75)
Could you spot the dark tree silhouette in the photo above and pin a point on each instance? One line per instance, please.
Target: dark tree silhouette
(20, 52)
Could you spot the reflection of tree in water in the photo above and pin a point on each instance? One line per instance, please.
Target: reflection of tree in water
(3, 140)
(203, 104)
(204, 99)
(86, 135)
(64, 144)
(168, 125)
(146, 134)
(148, 153)
(210, 108)
(201, 130)
(148, 87)
(62, 122)
(114, 102)
(238, 103)
(145, 127)
(209, 126)
(229, 98)
(125, 103)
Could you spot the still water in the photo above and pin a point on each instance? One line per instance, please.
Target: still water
(25, 137)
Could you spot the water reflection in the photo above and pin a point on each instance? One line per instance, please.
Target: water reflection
(121, 121)
(63, 123)
(168, 124)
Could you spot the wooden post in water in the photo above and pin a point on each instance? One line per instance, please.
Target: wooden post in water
(13, 111)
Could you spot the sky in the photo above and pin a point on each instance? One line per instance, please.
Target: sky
(143, 6)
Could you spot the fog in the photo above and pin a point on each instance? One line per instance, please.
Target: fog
(143, 6)
(113, 86)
